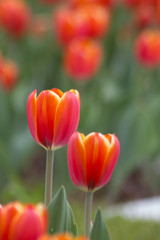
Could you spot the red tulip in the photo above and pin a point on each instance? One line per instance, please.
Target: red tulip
(147, 48)
(91, 159)
(8, 74)
(61, 236)
(53, 117)
(14, 17)
(82, 59)
(22, 222)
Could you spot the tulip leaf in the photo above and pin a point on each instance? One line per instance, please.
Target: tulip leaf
(61, 218)
(99, 229)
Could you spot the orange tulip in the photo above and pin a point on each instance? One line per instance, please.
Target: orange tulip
(61, 236)
(147, 48)
(91, 159)
(53, 116)
(82, 59)
(20, 222)
(8, 74)
(14, 17)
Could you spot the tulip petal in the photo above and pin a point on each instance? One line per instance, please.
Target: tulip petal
(96, 152)
(66, 119)
(76, 160)
(111, 159)
(47, 102)
(57, 91)
(32, 114)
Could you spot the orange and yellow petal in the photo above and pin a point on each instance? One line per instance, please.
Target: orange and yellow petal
(66, 118)
(96, 151)
(76, 160)
(47, 102)
(111, 160)
(32, 114)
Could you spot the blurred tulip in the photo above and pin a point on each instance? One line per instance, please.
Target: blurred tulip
(30, 223)
(15, 216)
(61, 236)
(69, 24)
(144, 15)
(8, 74)
(89, 21)
(98, 20)
(91, 159)
(147, 48)
(82, 59)
(14, 17)
(53, 116)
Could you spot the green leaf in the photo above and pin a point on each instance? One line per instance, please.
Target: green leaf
(99, 229)
(61, 218)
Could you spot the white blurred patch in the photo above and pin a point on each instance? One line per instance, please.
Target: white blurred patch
(145, 209)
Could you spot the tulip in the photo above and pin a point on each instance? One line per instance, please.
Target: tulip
(8, 74)
(15, 216)
(89, 21)
(82, 59)
(144, 15)
(53, 117)
(61, 236)
(91, 161)
(147, 48)
(69, 24)
(14, 17)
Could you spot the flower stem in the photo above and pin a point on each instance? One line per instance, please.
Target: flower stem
(88, 213)
(49, 176)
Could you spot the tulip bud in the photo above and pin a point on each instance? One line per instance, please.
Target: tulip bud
(91, 159)
(82, 59)
(147, 48)
(14, 17)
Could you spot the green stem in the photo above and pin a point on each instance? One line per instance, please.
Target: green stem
(88, 213)
(49, 176)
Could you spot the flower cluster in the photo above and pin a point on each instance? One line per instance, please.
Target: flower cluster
(53, 119)
(77, 26)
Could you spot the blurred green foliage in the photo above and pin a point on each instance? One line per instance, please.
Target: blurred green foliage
(123, 98)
